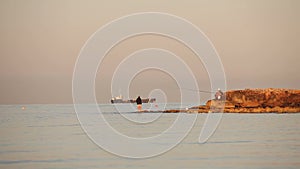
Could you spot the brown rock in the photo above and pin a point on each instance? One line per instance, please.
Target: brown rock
(252, 101)
(264, 98)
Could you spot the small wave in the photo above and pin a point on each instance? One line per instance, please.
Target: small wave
(230, 142)
(16, 151)
(35, 161)
(59, 125)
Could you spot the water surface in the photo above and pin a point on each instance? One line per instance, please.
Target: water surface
(50, 136)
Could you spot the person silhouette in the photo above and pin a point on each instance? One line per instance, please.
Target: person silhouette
(139, 103)
(219, 95)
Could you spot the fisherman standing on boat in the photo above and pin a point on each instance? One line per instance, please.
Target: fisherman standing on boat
(139, 103)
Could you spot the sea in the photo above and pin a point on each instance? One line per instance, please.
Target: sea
(50, 136)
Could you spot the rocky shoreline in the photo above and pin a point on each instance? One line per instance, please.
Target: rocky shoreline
(268, 100)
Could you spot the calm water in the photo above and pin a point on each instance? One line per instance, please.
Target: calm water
(50, 136)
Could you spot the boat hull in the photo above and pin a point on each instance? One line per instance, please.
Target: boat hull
(132, 101)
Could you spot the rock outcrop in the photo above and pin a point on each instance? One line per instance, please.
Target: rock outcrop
(252, 101)
(251, 98)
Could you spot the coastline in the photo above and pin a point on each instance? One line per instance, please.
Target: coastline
(268, 100)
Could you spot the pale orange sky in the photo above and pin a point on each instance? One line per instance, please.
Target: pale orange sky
(258, 43)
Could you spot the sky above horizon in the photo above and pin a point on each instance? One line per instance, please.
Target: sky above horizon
(258, 43)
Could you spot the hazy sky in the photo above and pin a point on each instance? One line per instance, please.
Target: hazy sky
(258, 42)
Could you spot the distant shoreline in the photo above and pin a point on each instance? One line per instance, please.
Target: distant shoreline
(268, 100)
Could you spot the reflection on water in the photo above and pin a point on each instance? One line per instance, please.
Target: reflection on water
(49, 136)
